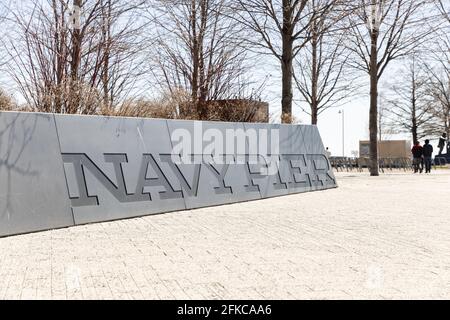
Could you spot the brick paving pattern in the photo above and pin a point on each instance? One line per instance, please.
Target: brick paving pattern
(386, 237)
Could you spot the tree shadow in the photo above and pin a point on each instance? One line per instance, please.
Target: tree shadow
(16, 133)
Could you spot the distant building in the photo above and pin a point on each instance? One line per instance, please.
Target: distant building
(387, 149)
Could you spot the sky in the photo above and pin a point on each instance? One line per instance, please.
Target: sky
(356, 125)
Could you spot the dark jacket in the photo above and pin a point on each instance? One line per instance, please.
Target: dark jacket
(427, 150)
(417, 151)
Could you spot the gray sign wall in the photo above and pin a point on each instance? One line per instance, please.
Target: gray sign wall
(63, 170)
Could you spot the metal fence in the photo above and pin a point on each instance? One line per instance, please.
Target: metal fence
(386, 164)
(361, 164)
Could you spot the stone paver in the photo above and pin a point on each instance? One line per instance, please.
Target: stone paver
(385, 237)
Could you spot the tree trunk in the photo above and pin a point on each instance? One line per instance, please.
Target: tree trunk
(286, 71)
(373, 113)
(60, 43)
(314, 76)
(314, 117)
(414, 118)
(286, 64)
(413, 104)
(75, 62)
(106, 29)
(203, 89)
(194, 52)
(414, 134)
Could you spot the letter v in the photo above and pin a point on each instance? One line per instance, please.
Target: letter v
(190, 189)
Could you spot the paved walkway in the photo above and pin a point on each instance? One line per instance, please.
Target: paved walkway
(386, 237)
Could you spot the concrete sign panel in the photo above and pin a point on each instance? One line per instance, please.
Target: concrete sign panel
(115, 167)
(64, 170)
(33, 191)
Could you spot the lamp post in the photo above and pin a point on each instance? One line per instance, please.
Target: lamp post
(343, 132)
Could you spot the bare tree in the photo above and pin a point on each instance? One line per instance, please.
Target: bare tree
(385, 127)
(439, 90)
(3, 17)
(121, 45)
(444, 8)
(322, 73)
(409, 108)
(383, 31)
(68, 64)
(198, 50)
(6, 101)
(438, 71)
(281, 28)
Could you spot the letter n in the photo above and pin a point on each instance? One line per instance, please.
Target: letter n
(81, 161)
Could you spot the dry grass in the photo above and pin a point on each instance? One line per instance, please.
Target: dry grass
(6, 102)
(178, 105)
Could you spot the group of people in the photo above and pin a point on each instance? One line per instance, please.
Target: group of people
(422, 155)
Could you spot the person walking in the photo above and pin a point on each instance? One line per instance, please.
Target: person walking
(427, 155)
(442, 141)
(417, 152)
